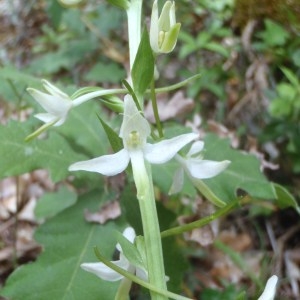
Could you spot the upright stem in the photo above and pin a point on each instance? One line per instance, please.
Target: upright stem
(145, 194)
(155, 110)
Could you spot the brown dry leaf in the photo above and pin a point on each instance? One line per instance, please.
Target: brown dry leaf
(238, 242)
(224, 267)
(177, 106)
(109, 211)
(205, 235)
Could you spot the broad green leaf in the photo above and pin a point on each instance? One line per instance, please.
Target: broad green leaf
(16, 75)
(68, 241)
(143, 66)
(18, 157)
(51, 204)
(101, 72)
(243, 172)
(84, 131)
(285, 198)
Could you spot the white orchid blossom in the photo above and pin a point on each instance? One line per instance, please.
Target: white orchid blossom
(134, 131)
(55, 102)
(58, 104)
(108, 274)
(195, 167)
(270, 289)
(163, 29)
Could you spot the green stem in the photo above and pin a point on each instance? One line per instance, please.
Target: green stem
(202, 222)
(176, 85)
(155, 110)
(145, 194)
(138, 280)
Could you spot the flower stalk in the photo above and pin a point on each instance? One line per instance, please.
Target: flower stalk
(145, 194)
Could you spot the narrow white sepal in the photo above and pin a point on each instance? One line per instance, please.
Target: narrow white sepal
(178, 180)
(108, 165)
(129, 234)
(52, 104)
(154, 28)
(165, 150)
(202, 169)
(46, 117)
(53, 90)
(104, 272)
(196, 148)
(270, 289)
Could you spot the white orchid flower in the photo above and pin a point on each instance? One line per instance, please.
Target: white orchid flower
(195, 167)
(58, 104)
(134, 131)
(55, 102)
(270, 289)
(163, 29)
(108, 274)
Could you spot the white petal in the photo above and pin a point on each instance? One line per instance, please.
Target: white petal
(104, 272)
(202, 169)
(108, 165)
(165, 150)
(177, 183)
(46, 117)
(164, 18)
(270, 289)
(54, 105)
(53, 90)
(142, 274)
(196, 148)
(133, 121)
(129, 234)
(172, 15)
(154, 28)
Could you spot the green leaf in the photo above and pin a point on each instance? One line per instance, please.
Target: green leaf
(284, 198)
(291, 77)
(274, 34)
(18, 157)
(51, 204)
(143, 66)
(243, 172)
(83, 130)
(101, 72)
(130, 251)
(115, 141)
(68, 241)
(124, 4)
(14, 74)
